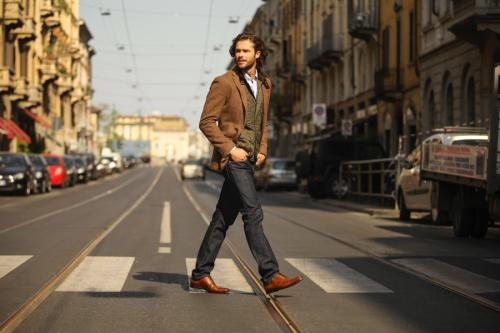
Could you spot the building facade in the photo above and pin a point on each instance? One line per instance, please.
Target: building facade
(166, 137)
(45, 78)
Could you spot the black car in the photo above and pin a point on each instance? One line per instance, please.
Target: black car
(91, 164)
(82, 173)
(70, 165)
(42, 174)
(320, 164)
(16, 173)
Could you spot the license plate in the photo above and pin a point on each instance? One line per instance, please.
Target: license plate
(3, 183)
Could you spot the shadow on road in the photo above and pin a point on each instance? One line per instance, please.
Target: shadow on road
(168, 278)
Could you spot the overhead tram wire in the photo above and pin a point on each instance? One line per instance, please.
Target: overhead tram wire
(204, 57)
(132, 53)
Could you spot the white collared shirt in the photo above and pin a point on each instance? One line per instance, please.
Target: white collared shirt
(252, 82)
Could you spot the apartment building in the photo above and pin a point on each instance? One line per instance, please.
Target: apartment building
(45, 77)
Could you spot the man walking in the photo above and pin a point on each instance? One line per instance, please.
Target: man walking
(234, 120)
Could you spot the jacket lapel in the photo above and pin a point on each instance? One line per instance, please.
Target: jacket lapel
(240, 85)
(265, 96)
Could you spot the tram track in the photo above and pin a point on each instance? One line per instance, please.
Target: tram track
(23, 312)
(275, 309)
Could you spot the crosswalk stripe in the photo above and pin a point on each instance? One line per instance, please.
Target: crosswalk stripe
(452, 275)
(225, 274)
(9, 263)
(334, 277)
(98, 274)
(493, 261)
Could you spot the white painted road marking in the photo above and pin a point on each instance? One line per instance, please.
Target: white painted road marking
(9, 263)
(165, 231)
(225, 274)
(165, 234)
(98, 274)
(493, 261)
(334, 277)
(451, 275)
(164, 250)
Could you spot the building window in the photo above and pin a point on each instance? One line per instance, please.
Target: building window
(385, 50)
(412, 38)
(431, 110)
(449, 105)
(471, 102)
(9, 51)
(24, 59)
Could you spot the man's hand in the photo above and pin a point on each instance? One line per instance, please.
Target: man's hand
(260, 159)
(238, 154)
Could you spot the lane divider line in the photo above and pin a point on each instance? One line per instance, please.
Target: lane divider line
(27, 308)
(62, 210)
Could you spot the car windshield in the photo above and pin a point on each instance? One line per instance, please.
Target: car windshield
(52, 160)
(11, 161)
(79, 162)
(69, 162)
(471, 142)
(284, 165)
(37, 160)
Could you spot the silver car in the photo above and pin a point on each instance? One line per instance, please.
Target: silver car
(276, 172)
(414, 194)
(192, 169)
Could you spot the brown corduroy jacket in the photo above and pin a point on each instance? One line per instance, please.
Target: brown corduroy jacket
(223, 116)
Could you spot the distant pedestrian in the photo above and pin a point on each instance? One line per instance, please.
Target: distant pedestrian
(234, 120)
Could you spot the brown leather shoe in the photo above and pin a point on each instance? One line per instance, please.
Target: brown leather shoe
(279, 281)
(206, 283)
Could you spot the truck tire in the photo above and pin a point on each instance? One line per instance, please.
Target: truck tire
(481, 222)
(439, 217)
(404, 213)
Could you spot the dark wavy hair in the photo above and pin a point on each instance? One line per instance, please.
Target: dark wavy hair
(258, 45)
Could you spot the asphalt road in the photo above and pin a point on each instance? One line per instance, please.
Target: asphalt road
(114, 256)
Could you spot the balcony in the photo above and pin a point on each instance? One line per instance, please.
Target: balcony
(471, 18)
(77, 94)
(64, 83)
(6, 79)
(389, 84)
(13, 12)
(34, 97)
(53, 20)
(20, 89)
(46, 8)
(363, 22)
(331, 49)
(48, 70)
(27, 30)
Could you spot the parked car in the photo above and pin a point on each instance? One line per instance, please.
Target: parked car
(276, 172)
(116, 161)
(109, 165)
(42, 174)
(90, 162)
(16, 174)
(192, 169)
(413, 193)
(320, 163)
(82, 173)
(58, 174)
(71, 169)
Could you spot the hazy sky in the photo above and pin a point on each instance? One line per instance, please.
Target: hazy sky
(163, 68)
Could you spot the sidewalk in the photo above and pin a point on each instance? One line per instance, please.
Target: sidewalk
(373, 210)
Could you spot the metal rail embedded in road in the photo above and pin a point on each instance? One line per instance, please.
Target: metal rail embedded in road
(28, 307)
(451, 288)
(272, 305)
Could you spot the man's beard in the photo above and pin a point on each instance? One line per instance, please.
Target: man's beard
(248, 66)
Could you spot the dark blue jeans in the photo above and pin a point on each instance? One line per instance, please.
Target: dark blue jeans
(238, 195)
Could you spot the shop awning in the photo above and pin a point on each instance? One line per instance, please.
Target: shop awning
(12, 127)
(39, 119)
(5, 129)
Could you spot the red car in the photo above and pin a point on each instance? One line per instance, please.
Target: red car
(58, 173)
